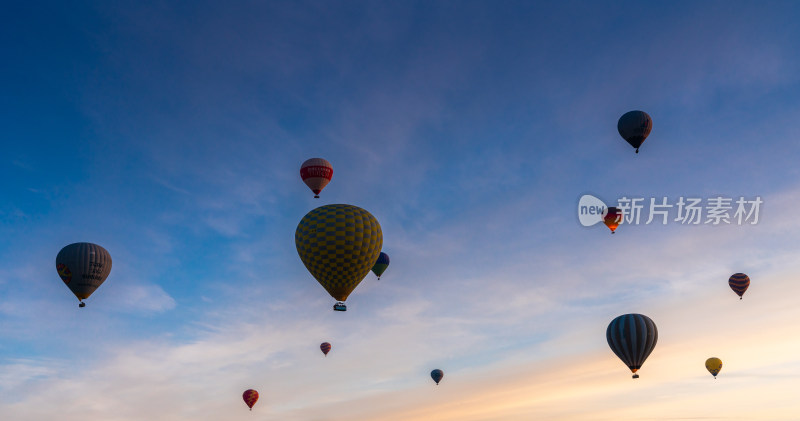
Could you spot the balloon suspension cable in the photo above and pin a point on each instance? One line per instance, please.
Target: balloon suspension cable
(637, 150)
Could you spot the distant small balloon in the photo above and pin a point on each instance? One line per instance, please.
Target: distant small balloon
(634, 127)
(437, 375)
(325, 347)
(739, 282)
(250, 397)
(316, 173)
(714, 365)
(612, 218)
(381, 265)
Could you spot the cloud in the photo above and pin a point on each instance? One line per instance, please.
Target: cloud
(139, 297)
(465, 130)
(530, 353)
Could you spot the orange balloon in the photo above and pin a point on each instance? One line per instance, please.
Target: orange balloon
(612, 218)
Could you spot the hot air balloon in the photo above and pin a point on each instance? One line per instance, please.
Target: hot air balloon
(316, 173)
(325, 347)
(83, 267)
(632, 337)
(612, 218)
(634, 126)
(437, 375)
(338, 244)
(250, 397)
(714, 365)
(739, 283)
(381, 265)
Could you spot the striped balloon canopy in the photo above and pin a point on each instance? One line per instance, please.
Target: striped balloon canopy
(83, 267)
(325, 347)
(338, 244)
(250, 397)
(632, 337)
(739, 282)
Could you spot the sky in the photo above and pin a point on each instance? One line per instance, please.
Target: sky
(172, 133)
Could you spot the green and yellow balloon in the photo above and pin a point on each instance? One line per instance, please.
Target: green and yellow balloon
(339, 244)
(380, 265)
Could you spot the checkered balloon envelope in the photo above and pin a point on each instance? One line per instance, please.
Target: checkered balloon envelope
(339, 244)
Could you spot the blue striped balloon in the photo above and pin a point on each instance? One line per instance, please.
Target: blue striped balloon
(632, 337)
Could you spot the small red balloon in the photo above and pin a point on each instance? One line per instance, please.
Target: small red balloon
(250, 397)
(612, 218)
(316, 173)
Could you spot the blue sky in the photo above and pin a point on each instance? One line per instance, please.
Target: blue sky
(171, 133)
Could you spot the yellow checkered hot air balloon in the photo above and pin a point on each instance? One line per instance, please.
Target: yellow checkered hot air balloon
(339, 244)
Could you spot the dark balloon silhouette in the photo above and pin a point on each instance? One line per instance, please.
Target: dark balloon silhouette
(632, 337)
(83, 267)
(437, 375)
(634, 127)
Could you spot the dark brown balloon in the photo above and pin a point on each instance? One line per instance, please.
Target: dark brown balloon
(83, 267)
(634, 127)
